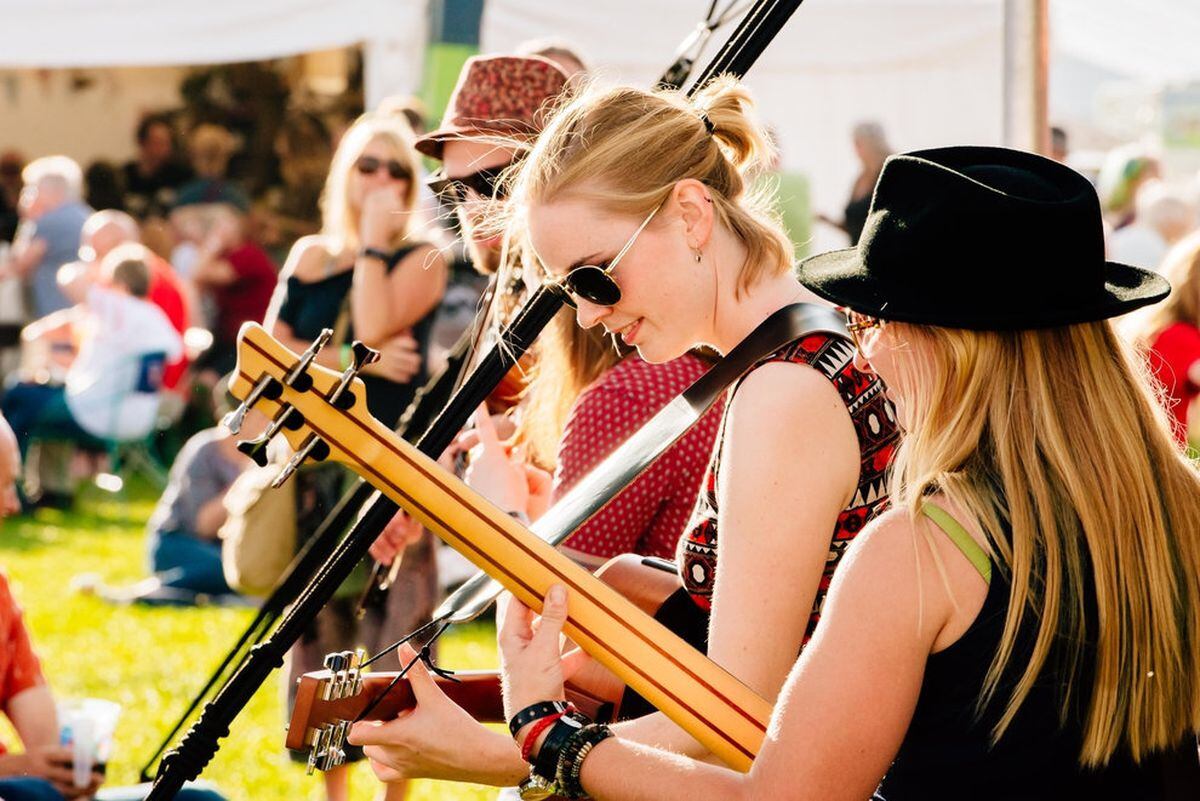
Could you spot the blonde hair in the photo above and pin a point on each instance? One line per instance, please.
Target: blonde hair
(569, 358)
(1181, 266)
(339, 218)
(625, 148)
(1055, 437)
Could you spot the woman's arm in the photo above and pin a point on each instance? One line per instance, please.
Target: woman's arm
(385, 304)
(789, 465)
(847, 702)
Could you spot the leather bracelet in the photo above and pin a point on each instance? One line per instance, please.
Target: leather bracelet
(545, 764)
(535, 731)
(570, 763)
(535, 711)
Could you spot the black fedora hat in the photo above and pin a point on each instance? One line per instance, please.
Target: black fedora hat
(985, 238)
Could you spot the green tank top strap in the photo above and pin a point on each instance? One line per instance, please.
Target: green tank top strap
(961, 539)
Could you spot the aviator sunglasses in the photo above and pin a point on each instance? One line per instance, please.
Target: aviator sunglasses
(485, 183)
(369, 165)
(594, 283)
(858, 325)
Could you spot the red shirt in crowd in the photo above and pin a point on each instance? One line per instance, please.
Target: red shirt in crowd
(20, 669)
(650, 515)
(1172, 354)
(167, 294)
(247, 296)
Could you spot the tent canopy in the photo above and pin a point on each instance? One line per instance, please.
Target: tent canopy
(129, 33)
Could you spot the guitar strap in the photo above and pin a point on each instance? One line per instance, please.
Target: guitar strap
(608, 479)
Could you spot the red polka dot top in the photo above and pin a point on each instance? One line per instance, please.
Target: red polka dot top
(649, 517)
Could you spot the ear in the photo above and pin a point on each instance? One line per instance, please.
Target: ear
(694, 201)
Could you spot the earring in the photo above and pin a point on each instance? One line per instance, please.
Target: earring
(699, 255)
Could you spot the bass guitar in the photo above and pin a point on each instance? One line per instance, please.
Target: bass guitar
(323, 416)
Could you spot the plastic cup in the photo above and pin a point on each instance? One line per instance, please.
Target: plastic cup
(87, 725)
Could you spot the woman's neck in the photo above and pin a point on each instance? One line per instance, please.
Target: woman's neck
(738, 314)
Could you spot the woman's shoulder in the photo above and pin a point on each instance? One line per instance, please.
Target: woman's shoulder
(308, 259)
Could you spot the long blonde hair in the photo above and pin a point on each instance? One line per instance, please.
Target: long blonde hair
(569, 358)
(624, 148)
(339, 217)
(1055, 436)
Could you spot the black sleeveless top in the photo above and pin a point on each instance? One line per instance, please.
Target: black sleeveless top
(947, 752)
(310, 306)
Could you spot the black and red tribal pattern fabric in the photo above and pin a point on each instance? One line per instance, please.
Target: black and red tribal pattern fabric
(874, 421)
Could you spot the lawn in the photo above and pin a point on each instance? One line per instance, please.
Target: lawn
(152, 660)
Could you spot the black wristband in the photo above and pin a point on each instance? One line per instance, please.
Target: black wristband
(389, 259)
(545, 764)
(570, 763)
(534, 712)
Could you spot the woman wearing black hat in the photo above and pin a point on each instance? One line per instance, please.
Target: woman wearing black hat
(1025, 623)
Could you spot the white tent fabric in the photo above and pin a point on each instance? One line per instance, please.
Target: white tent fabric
(1153, 40)
(931, 71)
(127, 33)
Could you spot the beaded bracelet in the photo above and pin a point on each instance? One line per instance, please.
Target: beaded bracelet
(570, 762)
(546, 762)
(534, 711)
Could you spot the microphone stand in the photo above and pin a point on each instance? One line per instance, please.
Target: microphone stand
(754, 32)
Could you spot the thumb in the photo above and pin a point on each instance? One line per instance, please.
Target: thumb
(485, 427)
(424, 688)
(554, 615)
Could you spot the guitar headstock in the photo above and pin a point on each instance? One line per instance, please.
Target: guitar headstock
(295, 392)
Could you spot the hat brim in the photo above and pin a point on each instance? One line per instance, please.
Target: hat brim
(840, 277)
(433, 143)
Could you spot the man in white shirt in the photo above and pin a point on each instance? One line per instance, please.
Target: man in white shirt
(112, 387)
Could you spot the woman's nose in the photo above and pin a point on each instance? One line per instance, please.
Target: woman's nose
(587, 314)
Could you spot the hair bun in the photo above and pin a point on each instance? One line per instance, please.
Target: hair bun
(731, 120)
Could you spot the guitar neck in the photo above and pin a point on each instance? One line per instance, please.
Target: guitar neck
(704, 699)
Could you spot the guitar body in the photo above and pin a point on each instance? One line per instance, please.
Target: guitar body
(325, 702)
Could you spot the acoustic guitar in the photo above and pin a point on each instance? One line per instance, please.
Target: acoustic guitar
(323, 415)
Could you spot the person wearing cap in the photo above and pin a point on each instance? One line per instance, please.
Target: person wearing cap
(1023, 623)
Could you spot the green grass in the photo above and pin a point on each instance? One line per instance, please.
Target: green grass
(152, 660)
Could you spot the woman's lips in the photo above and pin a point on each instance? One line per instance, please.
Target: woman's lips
(630, 332)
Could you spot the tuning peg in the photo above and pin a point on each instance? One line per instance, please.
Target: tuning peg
(314, 446)
(362, 356)
(267, 387)
(256, 449)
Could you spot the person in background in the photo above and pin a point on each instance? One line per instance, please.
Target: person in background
(104, 185)
(52, 216)
(1169, 333)
(155, 175)
(11, 164)
(103, 395)
(211, 147)
(1122, 174)
(183, 550)
(1161, 218)
(1059, 144)
(239, 277)
(292, 210)
(872, 148)
(43, 770)
(371, 276)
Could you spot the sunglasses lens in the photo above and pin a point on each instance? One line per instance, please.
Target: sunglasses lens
(367, 164)
(593, 285)
(398, 171)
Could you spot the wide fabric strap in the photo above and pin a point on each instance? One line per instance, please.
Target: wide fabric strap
(961, 539)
